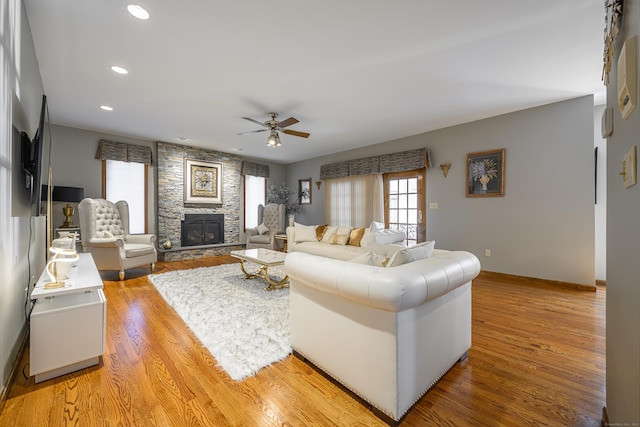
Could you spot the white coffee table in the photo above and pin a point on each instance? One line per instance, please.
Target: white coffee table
(265, 258)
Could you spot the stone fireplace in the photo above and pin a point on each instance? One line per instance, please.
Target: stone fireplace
(172, 210)
(202, 229)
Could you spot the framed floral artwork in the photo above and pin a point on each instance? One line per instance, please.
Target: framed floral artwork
(485, 173)
(304, 191)
(202, 182)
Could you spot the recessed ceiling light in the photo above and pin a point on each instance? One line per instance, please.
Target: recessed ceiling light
(138, 11)
(106, 108)
(119, 70)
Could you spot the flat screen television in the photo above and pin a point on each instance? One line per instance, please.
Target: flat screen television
(32, 158)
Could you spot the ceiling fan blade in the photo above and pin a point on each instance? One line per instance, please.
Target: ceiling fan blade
(288, 122)
(253, 131)
(255, 121)
(296, 133)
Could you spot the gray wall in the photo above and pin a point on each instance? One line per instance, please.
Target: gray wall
(544, 225)
(20, 99)
(73, 164)
(623, 266)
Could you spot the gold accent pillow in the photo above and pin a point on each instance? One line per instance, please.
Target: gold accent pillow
(355, 236)
(320, 230)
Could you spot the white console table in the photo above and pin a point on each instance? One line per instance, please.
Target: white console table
(68, 324)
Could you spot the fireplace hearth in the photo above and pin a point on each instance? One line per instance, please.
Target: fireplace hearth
(202, 229)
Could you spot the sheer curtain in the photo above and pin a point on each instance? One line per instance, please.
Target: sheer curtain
(354, 201)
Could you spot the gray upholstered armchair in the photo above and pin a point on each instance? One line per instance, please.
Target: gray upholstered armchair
(104, 227)
(271, 217)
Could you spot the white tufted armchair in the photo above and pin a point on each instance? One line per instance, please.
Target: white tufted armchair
(104, 228)
(272, 216)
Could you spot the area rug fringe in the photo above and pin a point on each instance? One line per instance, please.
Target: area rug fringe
(243, 326)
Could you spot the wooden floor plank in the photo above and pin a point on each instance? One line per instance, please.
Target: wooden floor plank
(537, 358)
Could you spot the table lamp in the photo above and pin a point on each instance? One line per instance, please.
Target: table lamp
(69, 195)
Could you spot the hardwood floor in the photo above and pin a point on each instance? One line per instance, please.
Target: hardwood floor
(538, 358)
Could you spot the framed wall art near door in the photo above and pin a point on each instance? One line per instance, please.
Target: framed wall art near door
(485, 173)
(304, 191)
(202, 182)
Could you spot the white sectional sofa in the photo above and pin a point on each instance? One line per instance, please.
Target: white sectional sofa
(386, 333)
(303, 238)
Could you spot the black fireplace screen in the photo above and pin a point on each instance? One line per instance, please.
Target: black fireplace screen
(202, 229)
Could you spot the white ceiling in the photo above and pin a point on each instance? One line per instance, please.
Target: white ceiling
(353, 72)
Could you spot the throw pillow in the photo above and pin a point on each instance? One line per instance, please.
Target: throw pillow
(390, 236)
(370, 259)
(368, 237)
(320, 230)
(376, 226)
(384, 250)
(413, 253)
(355, 236)
(305, 233)
(107, 234)
(339, 239)
(331, 230)
(262, 228)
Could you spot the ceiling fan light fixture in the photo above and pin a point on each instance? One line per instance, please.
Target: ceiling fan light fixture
(273, 140)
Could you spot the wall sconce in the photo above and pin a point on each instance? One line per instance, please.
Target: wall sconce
(445, 168)
(318, 184)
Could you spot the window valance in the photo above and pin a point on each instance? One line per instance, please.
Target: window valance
(110, 150)
(393, 162)
(404, 161)
(334, 170)
(255, 169)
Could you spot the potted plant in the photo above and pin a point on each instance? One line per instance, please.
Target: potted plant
(284, 195)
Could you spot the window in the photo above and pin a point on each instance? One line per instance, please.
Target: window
(255, 188)
(354, 201)
(128, 181)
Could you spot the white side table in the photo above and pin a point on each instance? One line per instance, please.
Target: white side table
(68, 324)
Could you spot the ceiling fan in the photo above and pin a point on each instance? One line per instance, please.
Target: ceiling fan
(274, 126)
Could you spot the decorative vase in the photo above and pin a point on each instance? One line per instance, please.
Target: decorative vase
(167, 244)
(291, 219)
(484, 180)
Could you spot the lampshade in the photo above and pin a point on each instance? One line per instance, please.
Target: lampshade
(67, 194)
(274, 139)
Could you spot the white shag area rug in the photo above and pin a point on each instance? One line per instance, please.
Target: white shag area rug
(244, 326)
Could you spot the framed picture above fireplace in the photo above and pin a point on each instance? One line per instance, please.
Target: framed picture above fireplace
(202, 182)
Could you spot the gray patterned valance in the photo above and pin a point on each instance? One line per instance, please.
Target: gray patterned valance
(109, 150)
(366, 166)
(403, 161)
(334, 170)
(394, 162)
(255, 169)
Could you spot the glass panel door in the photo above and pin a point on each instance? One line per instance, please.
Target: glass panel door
(404, 204)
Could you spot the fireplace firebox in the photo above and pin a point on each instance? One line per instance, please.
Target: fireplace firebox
(202, 229)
